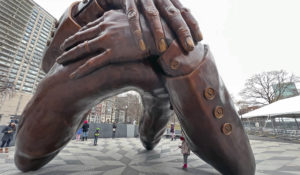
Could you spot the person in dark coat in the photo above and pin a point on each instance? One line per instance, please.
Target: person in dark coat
(114, 128)
(9, 132)
(96, 135)
(85, 130)
(172, 130)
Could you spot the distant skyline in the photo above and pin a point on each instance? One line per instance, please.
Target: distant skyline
(245, 37)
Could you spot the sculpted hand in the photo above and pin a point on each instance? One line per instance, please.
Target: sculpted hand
(179, 19)
(110, 40)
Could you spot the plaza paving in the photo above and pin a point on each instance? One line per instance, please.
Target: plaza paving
(126, 156)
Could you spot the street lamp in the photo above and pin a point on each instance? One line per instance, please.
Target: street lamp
(126, 107)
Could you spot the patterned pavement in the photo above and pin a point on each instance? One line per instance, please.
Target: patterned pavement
(126, 156)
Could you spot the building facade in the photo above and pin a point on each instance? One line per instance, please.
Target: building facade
(285, 90)
(123, 108)
(25, 28)
(104, 112)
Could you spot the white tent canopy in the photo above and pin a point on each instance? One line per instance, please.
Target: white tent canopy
(289, 107)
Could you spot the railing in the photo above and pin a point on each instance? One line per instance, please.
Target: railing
(287, 129)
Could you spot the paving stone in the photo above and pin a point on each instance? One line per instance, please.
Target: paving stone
(124, 156)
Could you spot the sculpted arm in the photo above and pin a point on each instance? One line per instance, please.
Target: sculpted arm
(205, 110)
(60, 104)
(199, 98)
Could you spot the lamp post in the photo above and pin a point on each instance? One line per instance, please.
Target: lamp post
(126, 107)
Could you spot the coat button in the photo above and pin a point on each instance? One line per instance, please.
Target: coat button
(209, 93)
(227, 129)
(174, 65)
(219, 112)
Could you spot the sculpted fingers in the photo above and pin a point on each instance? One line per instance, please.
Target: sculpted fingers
(80, 37)
(134, 23)
(92, 24)
(174, 19)
(190, 20)
(153, 18)
(81, 50)
(92, 64)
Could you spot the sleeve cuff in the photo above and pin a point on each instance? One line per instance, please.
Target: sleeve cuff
(175, 62)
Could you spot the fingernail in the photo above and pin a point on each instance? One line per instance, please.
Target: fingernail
(142, 45)
(190, 43)
(200, 36)
(162, 45)
(73, 75)
(58, 60)
(62, 47)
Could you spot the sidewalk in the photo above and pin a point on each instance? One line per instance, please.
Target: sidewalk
(127, 156)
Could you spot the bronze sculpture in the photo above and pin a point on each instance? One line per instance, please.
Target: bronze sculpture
(111, 55)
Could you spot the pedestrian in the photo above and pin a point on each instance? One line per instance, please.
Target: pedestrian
(114, 128)
(96, 135)
(85, 130)
(8, 136)
(185, 150)
(78, 134)
(172, 130)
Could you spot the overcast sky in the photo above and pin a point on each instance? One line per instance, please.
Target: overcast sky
(246, 37)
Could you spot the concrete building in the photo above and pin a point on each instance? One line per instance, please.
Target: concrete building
(25, 28)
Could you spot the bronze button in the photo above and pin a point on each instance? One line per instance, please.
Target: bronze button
(219, 112)
(227, 129)
(209, 93)
(174, 65)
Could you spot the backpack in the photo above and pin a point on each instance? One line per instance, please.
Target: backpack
(97, 134)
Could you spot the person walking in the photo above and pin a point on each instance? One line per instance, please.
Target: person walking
(85, 130)
(8, 136)
(114, 128)
(172, 130)
(96, 135)
(185, 150)
(78, 134)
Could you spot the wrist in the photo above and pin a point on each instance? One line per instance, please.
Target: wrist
(87, 11)
(175, 62)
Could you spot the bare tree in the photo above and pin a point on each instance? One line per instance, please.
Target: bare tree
(134, 107)
(6, 87)
(131, 104)
(268, 87)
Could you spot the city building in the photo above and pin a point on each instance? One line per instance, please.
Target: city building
(104, 112)
(285, 90)
(25, 28)
(123, 108)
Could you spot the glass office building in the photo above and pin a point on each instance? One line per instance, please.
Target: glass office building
(25, 28)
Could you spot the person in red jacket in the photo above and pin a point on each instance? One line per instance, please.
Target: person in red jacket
(85, 130)
(185, 150)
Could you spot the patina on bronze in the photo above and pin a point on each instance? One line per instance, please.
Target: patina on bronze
(103, 59)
